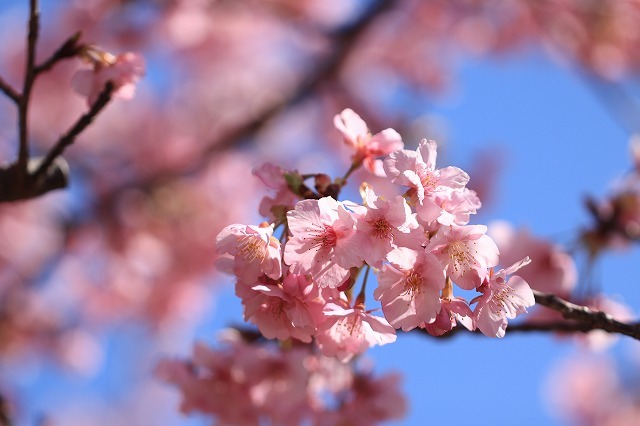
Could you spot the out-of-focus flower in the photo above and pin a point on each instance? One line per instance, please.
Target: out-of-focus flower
(123, 71)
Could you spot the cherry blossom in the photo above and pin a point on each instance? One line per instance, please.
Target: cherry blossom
(290, 309)
(384, 227)
(367, 147)
(438, 194)
(502, 299)
(409, 289)
(350, 331)
(322, 242)
(454, 311)
(254, 251)
(466, 253)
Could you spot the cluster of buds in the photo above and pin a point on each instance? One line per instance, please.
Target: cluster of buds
(300, 284)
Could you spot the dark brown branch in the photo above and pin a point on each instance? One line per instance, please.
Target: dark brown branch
(69, 49)
(51, 172)
(9, 91)
(596, 320)
(70, 136)
(23, 105)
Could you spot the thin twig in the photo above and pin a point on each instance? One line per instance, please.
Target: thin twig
(69, 137)
(9, 91)
(29, 76)
(69, 49)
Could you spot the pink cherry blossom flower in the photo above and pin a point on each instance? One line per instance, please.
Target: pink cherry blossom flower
(367, 147)
(291, 309)
(321, 243)
(409, 289)
(385, 226)
(466, 252)
(432, 188)
(351, 331)
(502, 300)
(254, 251)
(123, 71)
(457, 206)
(454, 311)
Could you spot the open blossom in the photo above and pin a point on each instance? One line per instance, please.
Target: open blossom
(409, 289)
(123, 71)
(502, 299)
(454, 311)
(367, 147)
(254, 251)
(321, 243)
(350, 331)
(385, 226)
(433, 189)
(292, 308)
(466, 252)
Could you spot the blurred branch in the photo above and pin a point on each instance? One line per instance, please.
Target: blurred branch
(616, 100)
(42, 175)
(5, 418)
(69, 49)
(326, 68)
(9, 91)
(81, 124)
(23, 105)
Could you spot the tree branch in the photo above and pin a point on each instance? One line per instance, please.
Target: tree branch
(69, 49)
(595, 320)
(69, 137)
(9, 91)
(23, 105)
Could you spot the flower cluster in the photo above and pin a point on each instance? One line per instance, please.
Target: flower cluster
(300, 285)
(251, 383)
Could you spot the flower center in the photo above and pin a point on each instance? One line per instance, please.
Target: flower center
(251, 247)
(412, 283)
(460, 257)
(380, 228)
(429, 182)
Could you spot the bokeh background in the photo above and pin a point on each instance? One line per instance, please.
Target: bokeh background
(537, 101)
